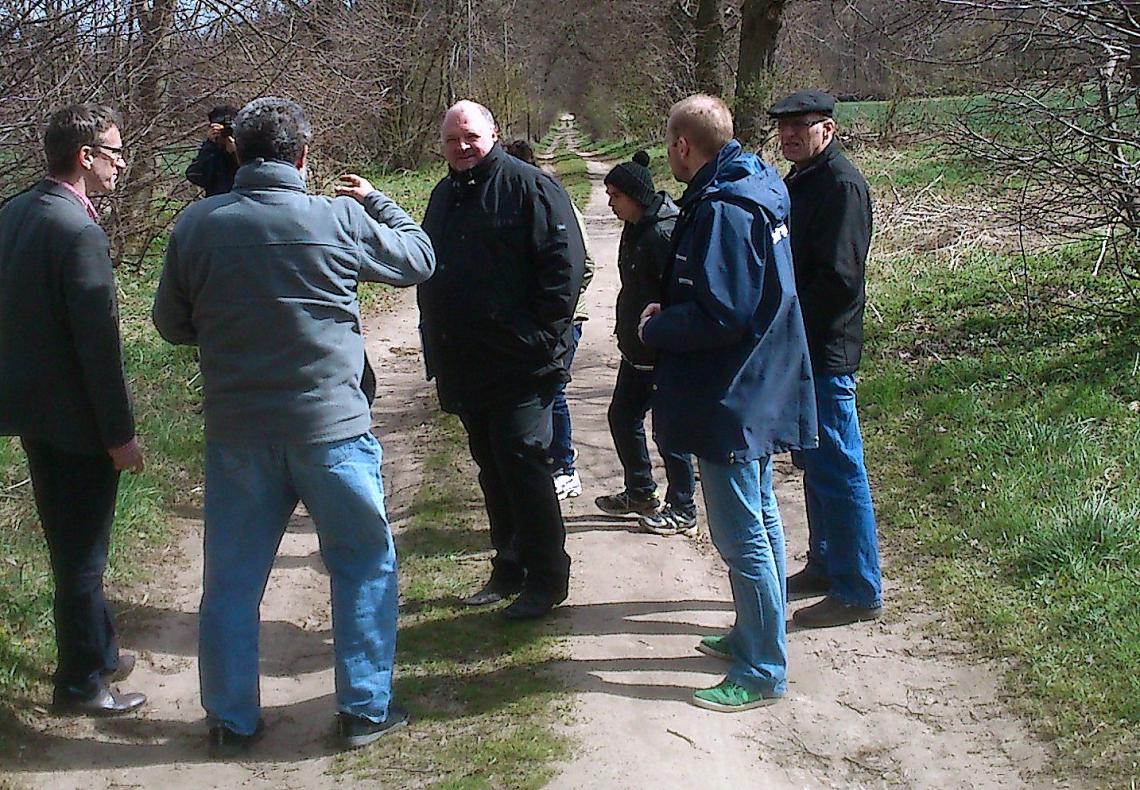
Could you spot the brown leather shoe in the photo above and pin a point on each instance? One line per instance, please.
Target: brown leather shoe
(126, 665)
(806, 584)
(107, 702)
(830, 612)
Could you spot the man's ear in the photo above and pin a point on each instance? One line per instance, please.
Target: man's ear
(303, 159)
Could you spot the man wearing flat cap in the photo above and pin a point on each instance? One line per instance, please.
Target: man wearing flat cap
(830, 234)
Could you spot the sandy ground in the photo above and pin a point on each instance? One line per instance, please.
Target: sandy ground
(888, 703)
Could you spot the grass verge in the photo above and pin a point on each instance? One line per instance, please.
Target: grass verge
(479, 688)
(1004, 443)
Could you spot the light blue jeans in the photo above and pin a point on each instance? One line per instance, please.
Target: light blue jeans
(843, 545)
(746, 529)
(251, 492)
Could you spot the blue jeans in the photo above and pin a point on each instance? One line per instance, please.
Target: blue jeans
(251, 491)
(562, 448)
(745, 525)
(842, 543)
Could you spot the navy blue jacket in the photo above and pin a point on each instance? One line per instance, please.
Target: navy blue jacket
(734, 377)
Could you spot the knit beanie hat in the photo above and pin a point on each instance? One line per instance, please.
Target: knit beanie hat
(634, 179)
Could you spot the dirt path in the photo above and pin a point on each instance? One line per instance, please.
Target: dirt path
(870, 705)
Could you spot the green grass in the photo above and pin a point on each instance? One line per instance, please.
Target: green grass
(479, 689)
(1005, 453)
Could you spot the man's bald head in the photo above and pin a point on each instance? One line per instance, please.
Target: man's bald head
(703, 120)
(468, 134)
(698, 128)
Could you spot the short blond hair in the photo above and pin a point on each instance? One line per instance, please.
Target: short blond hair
(703, 120)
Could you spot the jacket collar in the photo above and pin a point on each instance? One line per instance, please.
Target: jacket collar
(481, 171)
(706, 176)
(661, 208)
(269, 174)
(813, 165)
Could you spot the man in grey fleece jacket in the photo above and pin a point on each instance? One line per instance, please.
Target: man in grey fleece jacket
(263, 280)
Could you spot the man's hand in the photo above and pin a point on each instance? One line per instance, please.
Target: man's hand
(127, 457)
(355, 187)
(651, 309)
(230, 146)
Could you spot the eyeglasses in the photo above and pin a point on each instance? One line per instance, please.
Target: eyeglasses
(796, 125)
(116, 152)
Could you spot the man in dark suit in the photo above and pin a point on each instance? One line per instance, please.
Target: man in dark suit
(63, 391)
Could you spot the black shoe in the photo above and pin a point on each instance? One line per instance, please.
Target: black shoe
(531, 606)
(625, 503)
(122, 671)
(224, 742)
(107, 702)
(830, 612)
(357, 731)
(806, 584)
(492, 592)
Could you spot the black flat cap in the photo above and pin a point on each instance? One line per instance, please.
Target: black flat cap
(802, 102)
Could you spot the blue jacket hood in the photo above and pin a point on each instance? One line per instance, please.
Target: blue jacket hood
(738, 176)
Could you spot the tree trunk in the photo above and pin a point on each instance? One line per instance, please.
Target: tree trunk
(710, 39)
(760, 22)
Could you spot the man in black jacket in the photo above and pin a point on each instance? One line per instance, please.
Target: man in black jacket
(216, 164)
(496, 329)
(830, 234)
(643, 255)
(63, 391)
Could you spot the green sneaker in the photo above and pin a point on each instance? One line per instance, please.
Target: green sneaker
(729, 697)
(715, 646)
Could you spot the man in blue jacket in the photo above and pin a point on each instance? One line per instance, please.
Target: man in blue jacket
(734, 379)
(263, 280)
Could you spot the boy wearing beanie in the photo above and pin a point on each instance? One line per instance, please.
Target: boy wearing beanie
(643, 252)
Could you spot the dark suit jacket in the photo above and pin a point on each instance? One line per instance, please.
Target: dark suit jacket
(61, 366)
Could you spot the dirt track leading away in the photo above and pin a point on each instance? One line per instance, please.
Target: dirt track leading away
(887, 703)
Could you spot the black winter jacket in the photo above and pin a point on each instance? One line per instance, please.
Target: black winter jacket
(495, 319)
(643, 254)
(213, 169)
(831, 233)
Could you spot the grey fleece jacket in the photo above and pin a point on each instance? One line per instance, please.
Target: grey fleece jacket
(263, 280)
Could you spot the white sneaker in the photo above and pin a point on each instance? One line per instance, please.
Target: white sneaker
(568, 485)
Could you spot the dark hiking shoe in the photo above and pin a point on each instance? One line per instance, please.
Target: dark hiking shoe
(531, 606)
(491, 592)
(224, 743)
(806, 584)
(624, 503)
(357, 731)
(670, 521)
(829, 612)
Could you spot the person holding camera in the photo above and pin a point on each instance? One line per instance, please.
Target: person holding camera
(216, 164)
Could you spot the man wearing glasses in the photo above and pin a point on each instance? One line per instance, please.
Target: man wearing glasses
(830, 234)
(63, 391)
